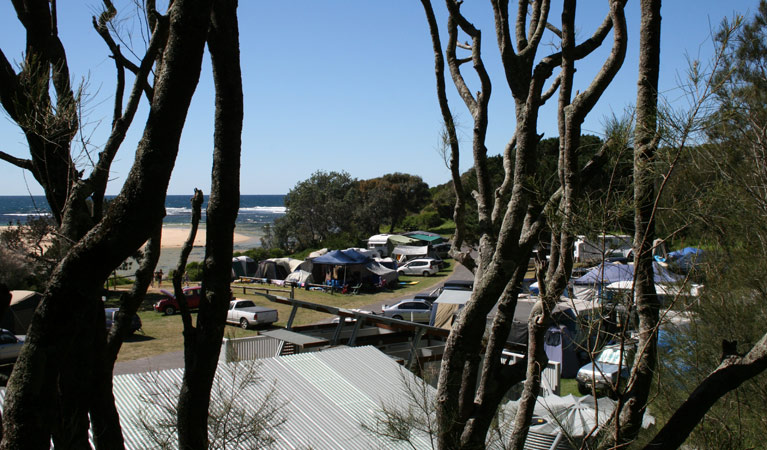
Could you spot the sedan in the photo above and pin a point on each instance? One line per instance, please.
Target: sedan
(10, 346)
(412, 310)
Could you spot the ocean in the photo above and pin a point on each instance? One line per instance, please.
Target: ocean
(255, 212)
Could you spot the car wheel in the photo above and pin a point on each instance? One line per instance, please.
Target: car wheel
(426, 273)
(170, 310)
(398, 317)
(583, 389)
(244, 323)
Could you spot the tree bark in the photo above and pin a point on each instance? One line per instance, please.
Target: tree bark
(67, 324)
(202, 351)
(632, 405)
(506, 238)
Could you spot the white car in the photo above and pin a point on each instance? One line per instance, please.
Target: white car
(412, 310)
(10, 346)
(422, 266)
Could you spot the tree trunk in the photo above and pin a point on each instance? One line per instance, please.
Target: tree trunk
(634, 400)
(201, 353)
(65, 326)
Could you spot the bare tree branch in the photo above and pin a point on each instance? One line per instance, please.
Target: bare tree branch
(18, 162)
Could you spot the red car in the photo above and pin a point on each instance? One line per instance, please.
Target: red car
(169, 305)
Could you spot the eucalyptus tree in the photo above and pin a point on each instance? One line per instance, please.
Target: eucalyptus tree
(58, 379)
(469, 390)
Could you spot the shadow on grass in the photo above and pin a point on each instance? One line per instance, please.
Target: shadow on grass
(139, 336)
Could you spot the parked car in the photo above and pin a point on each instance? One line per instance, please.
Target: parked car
(10, 346)
(412, 310)
(111, 316)
(607, 371)
(421, 266)
(169, 305)
(245, 313)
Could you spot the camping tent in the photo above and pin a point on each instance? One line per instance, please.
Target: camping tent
(607, 273)
(592, 283)
(446, 306)
(19, 314)
(355, 266)
(291, 264)
(270, 270)
(243, 266)
(300, 276)
(341, 258)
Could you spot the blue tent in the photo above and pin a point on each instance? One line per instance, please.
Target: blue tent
(342, 258)
(607, 273)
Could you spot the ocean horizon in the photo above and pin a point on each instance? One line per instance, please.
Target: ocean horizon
(256, 210)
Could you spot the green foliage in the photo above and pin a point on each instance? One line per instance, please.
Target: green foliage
(261, 253)
(388, 199)
(316, 209)
(28, 254)
(194, 270)
(732, 309)
(606, 191)
(425, 220)
(333, 210)
(721, 202)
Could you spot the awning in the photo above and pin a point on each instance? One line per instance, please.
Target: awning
(409, 250)
(404, 240)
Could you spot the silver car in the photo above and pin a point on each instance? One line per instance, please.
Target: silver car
(412, 310)
(421, 266)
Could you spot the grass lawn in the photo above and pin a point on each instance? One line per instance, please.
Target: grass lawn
(162, 334)
(569, 386)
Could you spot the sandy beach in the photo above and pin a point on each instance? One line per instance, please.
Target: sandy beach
(174, 237)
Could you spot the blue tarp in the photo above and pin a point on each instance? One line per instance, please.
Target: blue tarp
(686, 258)
(342, 258)
(623, 272)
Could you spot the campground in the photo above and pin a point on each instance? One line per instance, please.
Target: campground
(163, 334)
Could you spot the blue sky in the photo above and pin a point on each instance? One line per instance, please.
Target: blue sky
(344, 85)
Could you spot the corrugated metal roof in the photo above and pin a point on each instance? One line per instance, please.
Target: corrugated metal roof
(296, 338)
(324, 398)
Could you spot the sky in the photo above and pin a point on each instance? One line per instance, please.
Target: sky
(346, 85)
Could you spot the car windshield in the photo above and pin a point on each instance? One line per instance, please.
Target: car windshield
(610, 356)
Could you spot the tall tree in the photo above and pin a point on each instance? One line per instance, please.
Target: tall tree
(316, 209)
(509, 229)
(50, 390)
(632, 405)
(202, 343)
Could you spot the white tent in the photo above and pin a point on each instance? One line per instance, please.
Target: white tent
(300, 276)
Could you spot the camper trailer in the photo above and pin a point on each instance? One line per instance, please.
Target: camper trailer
(380, 244)
(603, 246)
